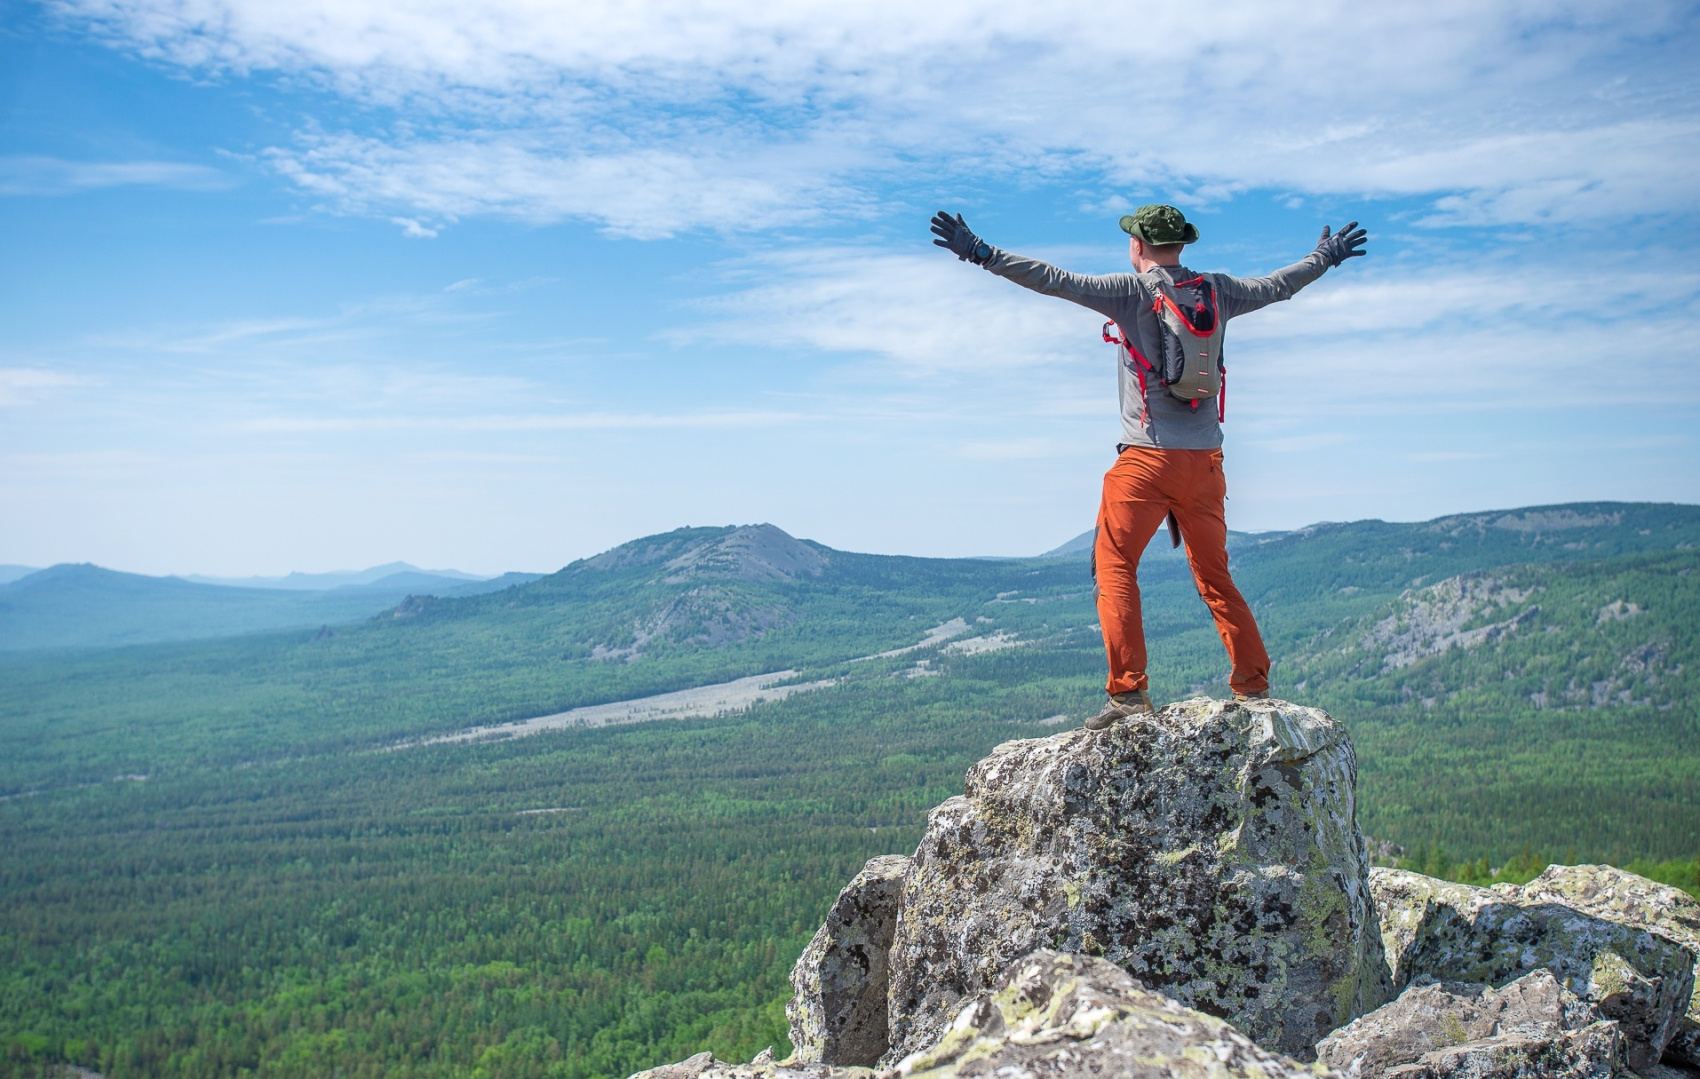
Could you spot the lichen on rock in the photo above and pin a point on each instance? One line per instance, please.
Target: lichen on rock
(1051, 1016)
(1533, 1028)
(1436, 930)
(838, 1005)
(1210, 850)
(1632, 900)
(1056, 1016)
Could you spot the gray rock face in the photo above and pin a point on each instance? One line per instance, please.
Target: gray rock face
(838, 1006)
(1434, 930)
(1056, 1016)
(1051, 1016)
(1210, 850)
(1581, 1054)
(1635, 901)
(1533, 1027)
(704, 1066)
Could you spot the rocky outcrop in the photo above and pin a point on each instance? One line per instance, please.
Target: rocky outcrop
(1533, 1028)
(1628, 899)
(1434, 930)
(1210, 850)
(838, 1006)
(1052, 1016)
(1117, 903)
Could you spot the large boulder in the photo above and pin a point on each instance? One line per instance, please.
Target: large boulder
(1051, 1016)
(1210, 850)
(1628, 899)
(1533, 1028)
(1438, 931)
(838, 1007)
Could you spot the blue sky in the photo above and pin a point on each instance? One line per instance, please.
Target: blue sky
(324, 284)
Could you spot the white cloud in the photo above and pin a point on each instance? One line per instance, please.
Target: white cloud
(26, 385)
(642, 192)
(34, 174)
(590, 421)
(1399, 339)
(925, 313)
(653, 116)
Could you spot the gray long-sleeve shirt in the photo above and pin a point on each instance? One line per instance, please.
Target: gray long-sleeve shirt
(1157, 419)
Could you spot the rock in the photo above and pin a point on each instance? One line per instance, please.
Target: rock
(1057, 1016)
(1589, 1053)
(704, 1066)
(1635, 901)
(689, 1068)
(838, 1010)
(1532, 1027)
(1437, 931)
(1210, 850)
(1051, 1016)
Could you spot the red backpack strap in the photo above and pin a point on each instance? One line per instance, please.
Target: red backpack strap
(1140, 366)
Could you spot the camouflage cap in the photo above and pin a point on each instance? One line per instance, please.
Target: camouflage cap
(1161, 225)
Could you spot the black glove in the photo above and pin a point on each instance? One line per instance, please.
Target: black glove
(1342, 245)
(955, 236)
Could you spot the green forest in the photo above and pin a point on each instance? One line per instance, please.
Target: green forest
(216, 862)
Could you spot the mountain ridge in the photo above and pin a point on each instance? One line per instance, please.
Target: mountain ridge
(82, 605)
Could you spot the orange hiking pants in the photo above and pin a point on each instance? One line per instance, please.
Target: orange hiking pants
(1143, 487)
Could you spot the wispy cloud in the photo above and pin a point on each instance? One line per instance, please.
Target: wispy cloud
(26, 385)
(921, 313)
(588, 421)
(656, 116)
(34, 174)
(1400, 338)
(644, 192)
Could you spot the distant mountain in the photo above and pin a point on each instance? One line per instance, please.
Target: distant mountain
(1535, 533)
(8, 574)
(317, 582)
(1078, 547)
(86, 606)
(415, 582)
(1616, 632)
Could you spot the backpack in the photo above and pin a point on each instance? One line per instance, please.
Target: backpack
(1190, 366)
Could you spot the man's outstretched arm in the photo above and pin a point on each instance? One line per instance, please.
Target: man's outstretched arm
(1098, 293)
(1243, 294)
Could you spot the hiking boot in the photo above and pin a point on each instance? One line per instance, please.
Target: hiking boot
(1243, 697)
(1120, 706)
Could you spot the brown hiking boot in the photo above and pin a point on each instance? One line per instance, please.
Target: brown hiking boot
(1242, 697)
(1120, 706)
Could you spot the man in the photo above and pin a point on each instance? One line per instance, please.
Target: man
(1169, 462)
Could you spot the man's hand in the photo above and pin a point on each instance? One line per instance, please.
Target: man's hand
(954, 236)
(1342, 245)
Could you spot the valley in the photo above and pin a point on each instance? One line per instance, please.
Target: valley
(282, 896)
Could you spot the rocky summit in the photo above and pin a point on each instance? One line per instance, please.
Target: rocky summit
(1187, 895)
(1210, 850)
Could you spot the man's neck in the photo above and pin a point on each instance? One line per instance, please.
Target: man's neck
(1144, 265)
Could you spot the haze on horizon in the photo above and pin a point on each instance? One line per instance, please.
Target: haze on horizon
(318, 286)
